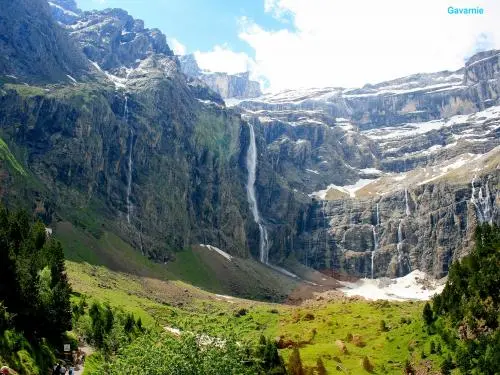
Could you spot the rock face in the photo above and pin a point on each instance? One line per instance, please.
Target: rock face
(111, 38)
(33, 47)
(137, 150)
(189, 66)
(379, 180)
(228, 86)
(350, 150)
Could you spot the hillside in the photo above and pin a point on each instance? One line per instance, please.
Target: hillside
(164, 215)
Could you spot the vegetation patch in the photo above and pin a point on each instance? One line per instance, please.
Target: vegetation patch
(6, 155)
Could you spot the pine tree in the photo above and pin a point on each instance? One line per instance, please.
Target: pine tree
(427, 314)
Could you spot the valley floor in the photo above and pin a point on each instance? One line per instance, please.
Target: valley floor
(338, 329)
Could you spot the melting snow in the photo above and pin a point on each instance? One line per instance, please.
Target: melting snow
(417, 128)
(65, 11)
(414, 286)
(312, 171)
(223, 253)
(347, 189)
(371, 170)
(71, 78)
(209, 102)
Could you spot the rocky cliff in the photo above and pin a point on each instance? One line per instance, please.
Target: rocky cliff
(33, 47)
(112, 133)
(136, 149)
(228, 86)
(409, 149)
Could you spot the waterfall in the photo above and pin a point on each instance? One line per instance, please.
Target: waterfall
(406, 203)
(375, 244)
(130, 162)
(251, 195)
(378, 216)
(482, 203)
(129, 177)
(399, 246)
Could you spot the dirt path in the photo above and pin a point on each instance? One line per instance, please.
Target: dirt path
(88, 351)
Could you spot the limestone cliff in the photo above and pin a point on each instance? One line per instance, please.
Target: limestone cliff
(110, 131)
(228, 86)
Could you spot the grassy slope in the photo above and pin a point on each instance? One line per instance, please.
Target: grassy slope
(159, 296)
(197, 266)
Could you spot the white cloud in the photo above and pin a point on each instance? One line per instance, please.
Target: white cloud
(350, 43)
(176, 46)
(222, 59)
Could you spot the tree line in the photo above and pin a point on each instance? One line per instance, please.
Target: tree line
(35, 293)
(467, 313)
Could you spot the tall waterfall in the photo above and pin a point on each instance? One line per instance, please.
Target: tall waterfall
(408, 212)
(378, 216)
(375, 244)
(130, 162)
(251, 195)
(399, 246)
(482, 203)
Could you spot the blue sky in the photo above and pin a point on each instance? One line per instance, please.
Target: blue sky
(197, 24)
(317, 43)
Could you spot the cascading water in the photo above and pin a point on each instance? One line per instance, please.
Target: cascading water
(406, 203)
(482, 203)
(375, 244)
(129, 177)
(130, 161)
(399, 246)
(251, 195)
(375, 237)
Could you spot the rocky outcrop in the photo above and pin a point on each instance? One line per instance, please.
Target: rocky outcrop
(228, 86)
(351, 150)
(237, 86)
(112, 38)
(189, 66)
(136, 151)
(437, 228)
(33, 48)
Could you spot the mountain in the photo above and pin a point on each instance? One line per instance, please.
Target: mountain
(228, 86)
(139, 150)
(398, 173)
(34, 48)
(116, 137)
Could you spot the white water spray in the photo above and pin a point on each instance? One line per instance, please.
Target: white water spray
(482, 203)
(252, 200)
(375, 237)
(130, 162)
(406, 203)
(399, 246)
(375, 244)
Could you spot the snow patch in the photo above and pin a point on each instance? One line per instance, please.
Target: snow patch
(65, 11)
(417, 285)
(71, 78)
(312, 171)
(223, 253)
(371, 171)
(347, 189)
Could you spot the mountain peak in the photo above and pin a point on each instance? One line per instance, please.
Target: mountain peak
(111, 37)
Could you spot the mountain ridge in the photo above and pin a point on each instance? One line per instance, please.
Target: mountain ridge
(157, 158)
